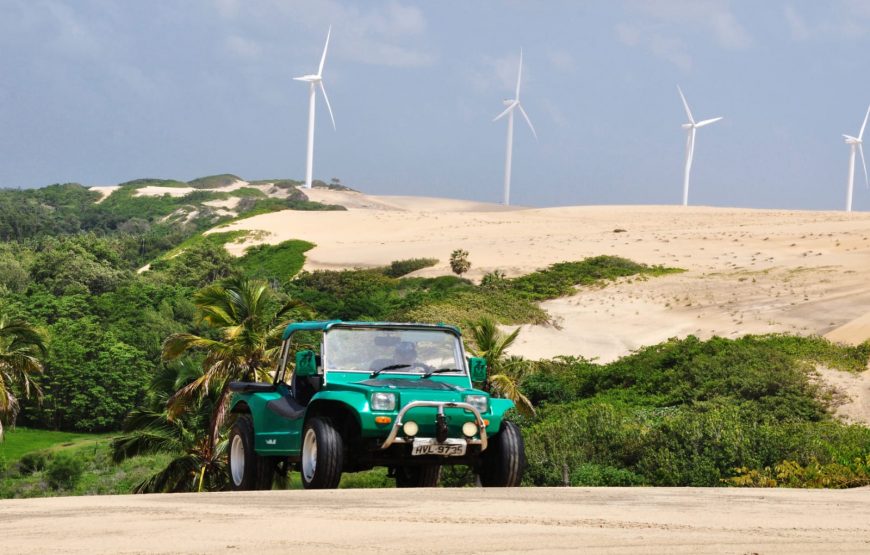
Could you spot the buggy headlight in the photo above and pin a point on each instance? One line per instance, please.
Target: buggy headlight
(480, 402)
(383, 401)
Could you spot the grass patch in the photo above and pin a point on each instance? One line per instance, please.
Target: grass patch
(399, 268)
(275, 262)
(219, 239)
(214, 181)
(100, 475)
(559, 280)
(20, 441)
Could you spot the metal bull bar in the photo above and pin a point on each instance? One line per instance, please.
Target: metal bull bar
(440, 405)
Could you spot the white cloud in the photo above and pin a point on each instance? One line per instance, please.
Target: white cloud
(242, 47)
(705, 16)
(669, 48)
(663, 27)
(499, 74)
(382, 33)
(847, 19)
(562, 60)
(796, 24)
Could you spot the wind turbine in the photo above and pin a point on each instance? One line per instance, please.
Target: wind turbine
(857, 143)
(692, 127)
(513, 104)
(314, 81)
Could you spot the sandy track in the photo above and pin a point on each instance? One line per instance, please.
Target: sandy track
(543, 520)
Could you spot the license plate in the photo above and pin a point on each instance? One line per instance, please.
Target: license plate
(450, 448)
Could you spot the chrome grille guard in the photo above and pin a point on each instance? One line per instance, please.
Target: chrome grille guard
(440, 405)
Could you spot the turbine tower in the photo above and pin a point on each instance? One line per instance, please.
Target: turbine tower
(692, 128)
(314, 81)
(857, 143)
(513, 104)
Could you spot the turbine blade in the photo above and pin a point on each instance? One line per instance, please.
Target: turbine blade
(686, 105)
(864, 163)
(861, 134)
(525, 115)
(519, 75)
(506, 111)
(707, 122)
(328, 107)
(323, 58)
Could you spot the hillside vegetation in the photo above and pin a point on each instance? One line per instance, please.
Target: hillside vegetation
(741, 412)
(696, 413)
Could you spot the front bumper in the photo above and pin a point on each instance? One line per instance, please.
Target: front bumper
(393, 437)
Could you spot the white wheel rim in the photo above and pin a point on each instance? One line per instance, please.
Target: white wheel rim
(237, 460)
(309, 455)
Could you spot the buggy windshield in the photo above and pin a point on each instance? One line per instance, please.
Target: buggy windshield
(392, 350)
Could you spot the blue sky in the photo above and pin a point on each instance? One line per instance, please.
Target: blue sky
(99, 92)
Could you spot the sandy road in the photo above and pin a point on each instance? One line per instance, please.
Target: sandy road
(598, 520)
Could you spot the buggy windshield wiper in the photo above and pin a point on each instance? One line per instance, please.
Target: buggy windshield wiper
(390, 367)
(438, 371)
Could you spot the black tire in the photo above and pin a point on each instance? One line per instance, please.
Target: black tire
(247, 470)
(504, 461)
(323, 470)
(418, 476)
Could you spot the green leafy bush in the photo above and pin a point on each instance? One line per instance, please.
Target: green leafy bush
(690, 413)
(64, 471)
(399, 268)
(560, 279)
(275, 262)
(33, 462)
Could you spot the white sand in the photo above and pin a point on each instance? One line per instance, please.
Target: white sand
(104, 190)
(467, 520)
(156, 191)
(748, 271)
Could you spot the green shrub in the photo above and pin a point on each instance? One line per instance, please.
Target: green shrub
(33, 462)
(559, 280)
(64, 471)
(459, 262)
(604, 476)
(399, 268)
(691, 413)
(275, 262)
(214, 181)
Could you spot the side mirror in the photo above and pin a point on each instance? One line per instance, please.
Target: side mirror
(477, 365)
(306, 364)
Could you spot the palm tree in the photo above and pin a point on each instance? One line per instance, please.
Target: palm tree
(503, 372)
(150, 430)
(242, 313)
(21, 346)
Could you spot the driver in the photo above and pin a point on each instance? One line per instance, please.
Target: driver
(406, 353)
(404, 356)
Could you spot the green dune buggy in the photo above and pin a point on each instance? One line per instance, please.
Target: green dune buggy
(366, 394)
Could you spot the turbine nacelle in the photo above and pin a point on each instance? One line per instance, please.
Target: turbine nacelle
(507, 101)
(850, 140)
(309, 78)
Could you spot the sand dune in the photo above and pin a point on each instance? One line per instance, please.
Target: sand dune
(748, 271)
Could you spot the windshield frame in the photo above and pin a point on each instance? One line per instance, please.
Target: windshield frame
(463, 361)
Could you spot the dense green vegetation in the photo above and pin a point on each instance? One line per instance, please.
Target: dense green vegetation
(692, 413)
(276, 263)
(742, 412)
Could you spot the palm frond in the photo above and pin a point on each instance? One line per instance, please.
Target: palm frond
(506, 387)
(179, 343)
